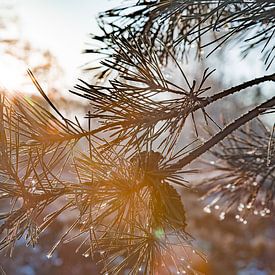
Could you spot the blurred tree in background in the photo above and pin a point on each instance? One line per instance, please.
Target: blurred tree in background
(19, 53)
(121, 188)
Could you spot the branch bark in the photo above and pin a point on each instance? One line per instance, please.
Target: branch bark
(222, 134)
(242, 86)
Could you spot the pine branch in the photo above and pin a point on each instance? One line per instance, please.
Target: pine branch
(223, 133)
(244, 166)
(126, 205)
(123, 107)
(182, 24)
(245, 85)
(132, 209)
(129, 109)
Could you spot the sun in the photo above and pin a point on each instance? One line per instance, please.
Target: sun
(12, 74)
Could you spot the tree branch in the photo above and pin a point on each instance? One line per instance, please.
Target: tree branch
(203, 103)
(238, 88)
(222, 134)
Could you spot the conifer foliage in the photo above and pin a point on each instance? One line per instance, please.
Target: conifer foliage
(120, 181)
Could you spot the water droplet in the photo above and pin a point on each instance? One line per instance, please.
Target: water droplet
(86, 255)
(207, 209)
(49, 255)
(255, 212)
(245, 222)
(140, 269)
(241, 207)
(259, 160)
(254, 183)
(217, 207)
(237, 217)
(188, 266)
(222, 216)
(212, 162)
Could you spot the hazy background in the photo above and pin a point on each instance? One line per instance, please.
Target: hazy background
(61, 28)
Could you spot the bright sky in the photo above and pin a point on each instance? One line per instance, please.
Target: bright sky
(61, 26)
